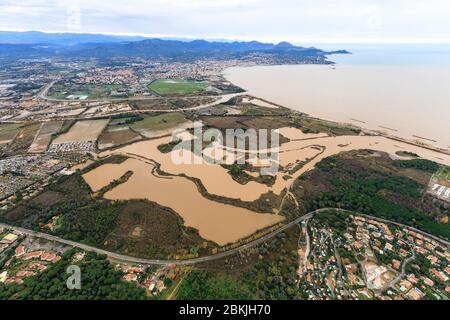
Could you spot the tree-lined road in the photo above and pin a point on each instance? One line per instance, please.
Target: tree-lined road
(217, 256)
(130, 259)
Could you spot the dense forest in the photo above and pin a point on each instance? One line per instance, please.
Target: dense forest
(376, 188)
(268, 272)
(420, 164)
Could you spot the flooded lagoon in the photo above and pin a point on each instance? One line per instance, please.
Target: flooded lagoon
(215, 221)
(311, 148)
(214, 177)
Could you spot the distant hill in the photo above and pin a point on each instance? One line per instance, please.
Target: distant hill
(60, 39)
(39, 44)
(153, 48)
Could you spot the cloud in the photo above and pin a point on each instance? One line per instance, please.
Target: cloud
(268, 20)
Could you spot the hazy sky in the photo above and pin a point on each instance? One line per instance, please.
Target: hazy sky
(266, 20)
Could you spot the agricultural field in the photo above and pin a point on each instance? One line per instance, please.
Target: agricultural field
(220, 110)
(87, 130)
(244, 107)
(269, 122)
(224, 122)
(189, 102)
(24, 138)
(151, 104)
(169, 86)
(161, 122)
(44, 136)
(117, 137)
(87, 91)
(8, 132)
(170, 103)
(159, 125)
(246, 122)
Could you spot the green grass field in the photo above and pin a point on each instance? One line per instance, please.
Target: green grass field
(8, 132)
(161, 122)
(169, 86)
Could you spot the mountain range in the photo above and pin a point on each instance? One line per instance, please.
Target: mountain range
(38, 44)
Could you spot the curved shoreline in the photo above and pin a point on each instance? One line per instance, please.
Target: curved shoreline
(375, 129)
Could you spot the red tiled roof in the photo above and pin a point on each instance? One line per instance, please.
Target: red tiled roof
(33, 254)
(20, 250)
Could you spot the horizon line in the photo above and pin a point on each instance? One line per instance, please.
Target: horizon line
(219, 38)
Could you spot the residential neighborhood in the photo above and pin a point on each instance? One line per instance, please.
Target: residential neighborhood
(365, 258)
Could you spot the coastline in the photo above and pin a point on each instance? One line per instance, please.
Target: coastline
(371, 132)
(366, 130)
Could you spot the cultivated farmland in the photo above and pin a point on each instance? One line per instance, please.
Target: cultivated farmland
(8, 132)
(44, 136)
(87, 130)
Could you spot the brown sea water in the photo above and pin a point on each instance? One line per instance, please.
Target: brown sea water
(407, 96)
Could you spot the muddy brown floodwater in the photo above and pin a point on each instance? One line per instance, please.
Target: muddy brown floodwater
(215, 221)
(218, 181)
(411, 101)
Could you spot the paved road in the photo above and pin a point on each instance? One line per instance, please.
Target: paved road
(130, 259)
(220, 255)
(42, 94)
(400, 276)
(222, 99)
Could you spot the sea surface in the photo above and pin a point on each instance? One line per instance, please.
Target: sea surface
(403, 90)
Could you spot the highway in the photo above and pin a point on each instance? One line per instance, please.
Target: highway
(42, 94)
(129, 259)
(221, 99)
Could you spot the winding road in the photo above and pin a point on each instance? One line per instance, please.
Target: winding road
(129, 259)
